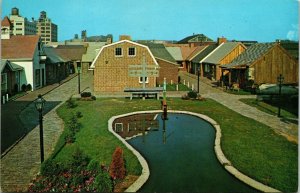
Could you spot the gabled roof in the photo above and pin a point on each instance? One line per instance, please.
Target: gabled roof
(19, 47)
(200, 56)
(195, 38)
(220, 52)
(12, 66)
(253, 53)
(292, 48)
(52, 55)
(121, 42)
(198, 50)
(175, 53)
(6, 22)
(72, 52)
(186, 51)
(92, 51)
(160, 51)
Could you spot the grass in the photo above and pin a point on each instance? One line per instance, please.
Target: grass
(252, 147)
(181, 87)
(271, 109)
(240, 92)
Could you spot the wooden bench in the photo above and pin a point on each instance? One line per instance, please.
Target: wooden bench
(147, 92)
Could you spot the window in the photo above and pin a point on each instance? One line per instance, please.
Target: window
(18, 29)
(18, 23)
(37, 77)
(118, 52)
(131, 52)
(141, 80)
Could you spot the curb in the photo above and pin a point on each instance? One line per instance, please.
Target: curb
(218, 150)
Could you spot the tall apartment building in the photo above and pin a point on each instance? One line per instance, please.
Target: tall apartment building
(46, 29)
(21, 25)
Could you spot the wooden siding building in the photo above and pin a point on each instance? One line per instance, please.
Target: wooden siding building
(263, 63)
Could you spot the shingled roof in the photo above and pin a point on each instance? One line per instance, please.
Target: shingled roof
(6, 22)
(220, 52)
(253, 53)
(200, 56)
(92, 51)
(195, 38)
(53, 56)
(175, 53)
(73, 52)
(160, 51)
(19, 47)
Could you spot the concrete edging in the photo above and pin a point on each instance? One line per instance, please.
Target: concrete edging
(219, 153)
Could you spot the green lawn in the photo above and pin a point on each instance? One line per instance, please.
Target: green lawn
(181, 87)
(270, 109)
(252, 147)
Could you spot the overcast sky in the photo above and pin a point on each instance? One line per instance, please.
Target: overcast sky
(260, 20)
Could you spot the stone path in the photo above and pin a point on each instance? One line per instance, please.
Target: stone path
(208, 90)
(22, 163)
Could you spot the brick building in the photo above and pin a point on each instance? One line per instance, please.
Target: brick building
(111, 66)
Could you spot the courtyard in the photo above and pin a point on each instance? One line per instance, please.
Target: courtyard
(259, 145)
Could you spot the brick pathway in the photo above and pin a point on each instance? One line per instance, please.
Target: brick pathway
(208, 90)
(21, 164)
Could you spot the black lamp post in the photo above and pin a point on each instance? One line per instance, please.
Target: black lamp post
(78, 70)
(39, 105)
(280, 79)
(198, 71)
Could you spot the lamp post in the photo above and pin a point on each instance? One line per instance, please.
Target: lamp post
(78, 70)
(58, 65)
(280, 79)
(198, 71)
(39, 105)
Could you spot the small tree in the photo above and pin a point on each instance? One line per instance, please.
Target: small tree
(117, 166)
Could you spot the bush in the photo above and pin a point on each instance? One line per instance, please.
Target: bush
(69, 137)
(78, 114)
(50, 167)
(79, 158)
(23, 87)
(94, 98)
(70, 103)
(192, 94)
(94, 166)
(73, 124)
(28, 87)
(86, 94)
(103, 182)
(117, 166)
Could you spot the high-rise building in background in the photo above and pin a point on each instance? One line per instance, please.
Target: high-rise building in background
(46, 29)
(21, 25)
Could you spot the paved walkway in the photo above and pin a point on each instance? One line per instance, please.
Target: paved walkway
(209, 90)
(22, 163)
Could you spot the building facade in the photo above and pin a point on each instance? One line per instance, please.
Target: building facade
(21, 25)
(111, 66)
(46, 28)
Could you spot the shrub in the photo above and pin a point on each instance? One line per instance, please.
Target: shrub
(50, 167)
(103, 182)
(70, 103)
(79, 158)
(78, 114)
(117, 166)
(192, 94)
(94, 98)
(23, 87)
(73, 124)
(28, 87)
(86, 94)
(94, 166)
(69, 137)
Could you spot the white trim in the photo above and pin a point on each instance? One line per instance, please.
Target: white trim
(211, 53)
(197, 53)
(120, 42)
(134, 52)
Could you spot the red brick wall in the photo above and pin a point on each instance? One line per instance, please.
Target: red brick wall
(167, 70)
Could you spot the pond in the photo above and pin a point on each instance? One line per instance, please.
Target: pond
(181, 158)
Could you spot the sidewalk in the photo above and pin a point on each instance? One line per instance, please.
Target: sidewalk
(22, 163)
(231, 101)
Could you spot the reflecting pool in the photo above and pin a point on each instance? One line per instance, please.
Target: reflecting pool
(181, 158)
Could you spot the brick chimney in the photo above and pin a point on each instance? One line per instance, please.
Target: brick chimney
(108, 40)
(124, 37)
(222, 40)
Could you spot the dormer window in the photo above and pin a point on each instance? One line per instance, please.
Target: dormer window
(118, 52)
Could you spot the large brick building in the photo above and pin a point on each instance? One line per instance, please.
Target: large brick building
(111, 66)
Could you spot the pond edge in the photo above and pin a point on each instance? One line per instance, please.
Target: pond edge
(217, 147)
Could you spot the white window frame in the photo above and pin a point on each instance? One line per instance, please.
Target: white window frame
(129, 51)
(116, 52)
(141, 80)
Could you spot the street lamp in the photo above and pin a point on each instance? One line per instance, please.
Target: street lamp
(280, 79)
(78, 70)
(39, 105)
(198, 71)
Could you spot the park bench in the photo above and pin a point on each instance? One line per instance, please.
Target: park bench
(146, 92)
